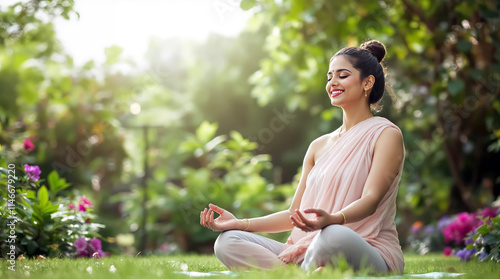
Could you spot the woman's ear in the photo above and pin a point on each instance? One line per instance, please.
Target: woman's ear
(368, 83)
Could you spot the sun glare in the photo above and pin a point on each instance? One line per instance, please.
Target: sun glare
(131, 23)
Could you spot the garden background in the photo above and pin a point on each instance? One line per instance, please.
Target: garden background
(131, 151)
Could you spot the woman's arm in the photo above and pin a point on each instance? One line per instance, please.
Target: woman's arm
(387, 158)
(276, 222)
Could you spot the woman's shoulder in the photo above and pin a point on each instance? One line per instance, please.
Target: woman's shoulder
(386, 124)
(319, 145)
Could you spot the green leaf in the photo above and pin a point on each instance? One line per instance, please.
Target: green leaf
(247, 4)
(483, 230)
(206, 131)
(113, 54)
(455, 86)
(43, 196)
(56, 184)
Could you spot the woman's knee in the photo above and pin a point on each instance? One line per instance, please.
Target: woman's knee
(223, 242)
(336, 234)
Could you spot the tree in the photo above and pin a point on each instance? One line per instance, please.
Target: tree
(443, 58)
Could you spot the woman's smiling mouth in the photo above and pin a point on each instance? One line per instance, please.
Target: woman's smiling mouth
(336, 92)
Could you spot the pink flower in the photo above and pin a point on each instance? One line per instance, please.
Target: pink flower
(447, 251)
(81, 207)
(86, 202)
(33, 172)
(95, 245)
(28, 145)
(71, 206)
(80, 245)
(164, 247)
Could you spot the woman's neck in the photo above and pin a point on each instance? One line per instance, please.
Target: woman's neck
(352, 116)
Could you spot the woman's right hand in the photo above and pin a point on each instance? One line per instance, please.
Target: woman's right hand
(226, 220)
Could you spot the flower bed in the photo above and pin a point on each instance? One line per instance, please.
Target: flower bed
(465, 235)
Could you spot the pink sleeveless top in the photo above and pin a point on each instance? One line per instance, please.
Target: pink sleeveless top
(336, 180)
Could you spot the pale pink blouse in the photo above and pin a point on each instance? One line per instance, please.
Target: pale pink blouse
(336, 180)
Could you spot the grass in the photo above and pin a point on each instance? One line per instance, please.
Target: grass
(167, 266)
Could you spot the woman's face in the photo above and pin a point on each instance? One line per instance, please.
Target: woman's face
(344, 85)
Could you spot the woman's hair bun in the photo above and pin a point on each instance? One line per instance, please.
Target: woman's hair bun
(376, 48)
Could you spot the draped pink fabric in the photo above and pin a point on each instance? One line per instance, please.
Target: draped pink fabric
(336, 180)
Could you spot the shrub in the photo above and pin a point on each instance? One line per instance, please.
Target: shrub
(221, 170)
(485, 244)
(44, 222)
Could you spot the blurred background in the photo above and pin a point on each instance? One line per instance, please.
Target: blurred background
(153, 109)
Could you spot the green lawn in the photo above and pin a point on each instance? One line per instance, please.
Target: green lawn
(167, 266)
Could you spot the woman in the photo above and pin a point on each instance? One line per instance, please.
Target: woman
(345, 203)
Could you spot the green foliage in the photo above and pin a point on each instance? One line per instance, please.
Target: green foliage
(445, 75)
(487, 240)
(220, 170)
(36, 218)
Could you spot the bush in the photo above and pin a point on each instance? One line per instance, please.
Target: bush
(220, 170)
(37, 219)
(486, 240)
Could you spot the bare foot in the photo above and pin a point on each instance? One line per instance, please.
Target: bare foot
(319, 269)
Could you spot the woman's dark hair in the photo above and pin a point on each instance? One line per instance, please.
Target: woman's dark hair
(367, 59)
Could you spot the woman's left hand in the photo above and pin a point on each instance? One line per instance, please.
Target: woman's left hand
(321, 220)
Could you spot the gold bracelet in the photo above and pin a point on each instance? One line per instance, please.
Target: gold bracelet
(248, 224)
(343, 215)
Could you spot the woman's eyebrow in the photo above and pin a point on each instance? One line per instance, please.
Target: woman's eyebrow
(339, 70)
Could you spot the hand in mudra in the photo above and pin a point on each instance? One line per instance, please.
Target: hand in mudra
(321, 220)
(226, 220)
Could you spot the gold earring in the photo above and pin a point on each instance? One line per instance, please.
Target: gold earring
(366, 93)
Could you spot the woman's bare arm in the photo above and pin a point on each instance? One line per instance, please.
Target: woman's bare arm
(276, 222)
(387, 158)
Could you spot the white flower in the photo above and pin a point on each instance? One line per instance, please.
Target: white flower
(89, 269)
(112, 269)
(184, 267)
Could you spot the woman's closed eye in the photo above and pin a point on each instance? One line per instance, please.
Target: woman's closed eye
(342, 77)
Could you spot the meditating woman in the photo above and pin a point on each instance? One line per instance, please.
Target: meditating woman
(345, 203)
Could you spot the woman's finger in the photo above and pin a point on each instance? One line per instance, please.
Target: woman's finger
(207, 216)
(211, 218)
(303, 218)
(297, 221)
(216, 208)
(202, 218)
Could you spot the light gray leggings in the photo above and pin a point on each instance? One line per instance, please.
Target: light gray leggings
(243, 250)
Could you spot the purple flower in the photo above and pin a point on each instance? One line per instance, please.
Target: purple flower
(80, 245)
(82, 254)
(443, 222)
(33, 172)
(415, 228)
(465, 254)
(469, 240)
(95, 245)
(98, 254)
(482, 255)
(429, 229)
